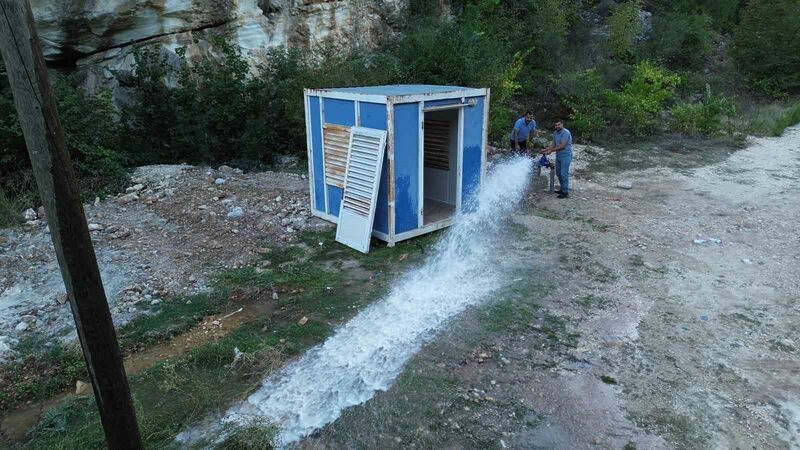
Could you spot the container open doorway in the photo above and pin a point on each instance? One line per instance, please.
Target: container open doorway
(440, 188)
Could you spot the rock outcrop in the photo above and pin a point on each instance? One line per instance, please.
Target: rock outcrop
(96, 37)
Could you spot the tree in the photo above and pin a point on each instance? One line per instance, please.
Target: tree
(767, 47)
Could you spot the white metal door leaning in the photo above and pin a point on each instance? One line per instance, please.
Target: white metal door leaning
(361, 182)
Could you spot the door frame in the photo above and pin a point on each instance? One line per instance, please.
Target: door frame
(459, 153)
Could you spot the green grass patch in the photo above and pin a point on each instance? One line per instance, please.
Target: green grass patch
(516, 307)
(169, 319)
(46, 371)
(770, 119)
(607, 379)
(181, 390)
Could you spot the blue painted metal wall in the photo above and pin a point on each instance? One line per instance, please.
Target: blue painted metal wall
(472, 156)
(316, 152)
(338, 112)
(406, 166)
(373, 115)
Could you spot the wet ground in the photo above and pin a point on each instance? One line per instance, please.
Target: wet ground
(662, 316)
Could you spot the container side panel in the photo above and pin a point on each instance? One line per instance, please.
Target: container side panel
(473, 148)
(334, 200)
(406, 163)
(373, 115)
(339, 112)
(316, 147)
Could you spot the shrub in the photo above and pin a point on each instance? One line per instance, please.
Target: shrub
(642, 99)
(149, 121)
(723, 13)
(214, 112)
(220, 112)
(583, 94)
(625, 28)
(12, 143)
(681, 41)
(703, 117)
(90, 134)
(91, 137)
(766, 47)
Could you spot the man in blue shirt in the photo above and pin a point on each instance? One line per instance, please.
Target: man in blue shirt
(562, 147)
(522, 129)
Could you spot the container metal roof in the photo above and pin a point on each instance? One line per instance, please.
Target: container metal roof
(399, 89)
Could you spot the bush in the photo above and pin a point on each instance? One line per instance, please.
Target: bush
(723, 13)
(583, 94)
(681, 41)
(90, 134)
(703, 117)
(149, 121)
(213, 114)
(766, 47)
(642, 99)
(625, 28)
(91, 137)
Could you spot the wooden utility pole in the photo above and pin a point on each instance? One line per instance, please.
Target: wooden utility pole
(27, 75)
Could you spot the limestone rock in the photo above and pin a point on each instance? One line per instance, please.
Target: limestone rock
(98, 37)
(29, 215)
(624, 185)
(82, 388)
(236, 212)
(128, 198)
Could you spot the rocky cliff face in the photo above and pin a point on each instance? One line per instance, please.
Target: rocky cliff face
(97, 37)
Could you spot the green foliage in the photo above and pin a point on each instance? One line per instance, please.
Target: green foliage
(213, 114)
(90, 134)
(702, 118)
(770, 119)
(44, 373)
(681, 40)
(255, 433)
(724, 14)
(624, 27)
(766, 47)
(12, 143)
(149, 120)
(641, 101)
(583, 94)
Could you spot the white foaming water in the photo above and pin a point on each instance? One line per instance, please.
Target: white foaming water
(368, 353)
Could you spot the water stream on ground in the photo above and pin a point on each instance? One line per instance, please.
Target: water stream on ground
(367, 354)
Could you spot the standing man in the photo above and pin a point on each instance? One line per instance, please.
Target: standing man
(562, 147)
(522, 129)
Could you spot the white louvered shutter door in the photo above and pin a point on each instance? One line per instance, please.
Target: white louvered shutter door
(362, 178)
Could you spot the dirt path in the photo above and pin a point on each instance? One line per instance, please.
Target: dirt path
(662, 316)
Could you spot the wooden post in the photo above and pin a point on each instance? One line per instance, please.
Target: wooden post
(27, 74)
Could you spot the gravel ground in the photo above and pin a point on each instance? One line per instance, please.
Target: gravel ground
(175, 227)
